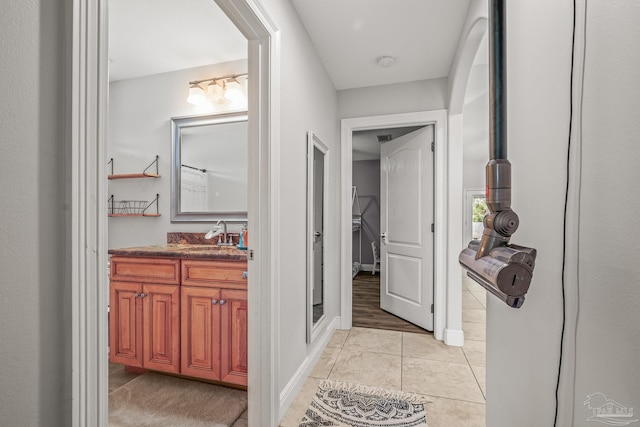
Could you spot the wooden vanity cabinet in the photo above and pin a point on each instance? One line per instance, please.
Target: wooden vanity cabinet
(194, 322)
(214, 321)
(200, 332)
(233, 357)
(144, 318)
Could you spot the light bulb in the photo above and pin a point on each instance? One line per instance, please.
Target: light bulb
(233, 91)
(196, 95)
(215, 93)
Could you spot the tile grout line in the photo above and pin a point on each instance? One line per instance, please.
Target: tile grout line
(339, 353)
(470, 367)
(401, 360)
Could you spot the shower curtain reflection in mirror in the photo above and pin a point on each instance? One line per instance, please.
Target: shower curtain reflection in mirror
(193, 190)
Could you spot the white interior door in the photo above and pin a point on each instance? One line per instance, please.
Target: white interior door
(406, 250)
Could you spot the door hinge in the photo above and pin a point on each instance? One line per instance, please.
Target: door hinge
(250, 254)
(433, 146)
(431, 308)
(432, 228)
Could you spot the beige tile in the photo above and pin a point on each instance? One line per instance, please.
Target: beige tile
(299, 406)
(426, 347)
(338, 338)
(481, 296)
(325, 363)
(443, 379)
(481, 375)
(470, 301)
(442, 412)
(476, 352)
(474, 331)
(472, 285)
(374, 340)
(474, 315)
(372, 369)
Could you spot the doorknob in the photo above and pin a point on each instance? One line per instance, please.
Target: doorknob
(383, 237)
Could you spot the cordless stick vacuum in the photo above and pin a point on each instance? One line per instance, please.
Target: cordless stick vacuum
(504, 270)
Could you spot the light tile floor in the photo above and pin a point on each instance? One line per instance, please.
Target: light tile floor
(451, 378)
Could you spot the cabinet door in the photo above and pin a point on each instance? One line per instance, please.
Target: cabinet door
(200, 332)
(161, 327)
(233, 345)
(125, 323)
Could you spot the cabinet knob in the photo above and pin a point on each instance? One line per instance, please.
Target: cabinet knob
(245, 274)
(223, 301)
(136, 295)
(143, 295)
(214, 301)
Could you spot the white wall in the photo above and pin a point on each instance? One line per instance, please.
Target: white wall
(140, 112)
(523, 345)
(608, 339)
(475, 115)
(308, 102)
(35, 320)
(422, 95)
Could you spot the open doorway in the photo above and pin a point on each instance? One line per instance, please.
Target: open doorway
(367, 270)
(434, 214)
(153, 114)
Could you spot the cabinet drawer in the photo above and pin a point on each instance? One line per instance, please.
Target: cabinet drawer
(214, 273)
(145, 270)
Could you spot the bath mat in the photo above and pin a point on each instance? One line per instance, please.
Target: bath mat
(344, 404)
(155, 400)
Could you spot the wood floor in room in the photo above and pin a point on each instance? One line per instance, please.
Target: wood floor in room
(366, 312)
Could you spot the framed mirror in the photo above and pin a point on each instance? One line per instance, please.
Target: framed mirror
(209, 167)
(317, 184)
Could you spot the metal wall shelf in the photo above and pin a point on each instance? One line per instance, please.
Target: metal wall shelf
(144, 173)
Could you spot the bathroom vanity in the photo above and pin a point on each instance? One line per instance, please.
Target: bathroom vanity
(180, 308)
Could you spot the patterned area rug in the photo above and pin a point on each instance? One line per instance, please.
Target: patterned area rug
(342, 404)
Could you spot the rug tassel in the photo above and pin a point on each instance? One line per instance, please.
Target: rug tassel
(375, 391)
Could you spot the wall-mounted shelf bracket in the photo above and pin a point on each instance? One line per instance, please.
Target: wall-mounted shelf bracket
(145, 173)
(133, 207)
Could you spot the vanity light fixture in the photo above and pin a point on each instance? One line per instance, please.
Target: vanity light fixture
(219, 89)
(233, 91)
(196, 94)
(215, 92)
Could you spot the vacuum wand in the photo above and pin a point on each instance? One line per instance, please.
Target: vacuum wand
(504, 270)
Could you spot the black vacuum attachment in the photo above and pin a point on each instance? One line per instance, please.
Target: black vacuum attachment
(504, 270)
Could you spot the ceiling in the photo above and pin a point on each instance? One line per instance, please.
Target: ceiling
(156, 36)
(350, 35)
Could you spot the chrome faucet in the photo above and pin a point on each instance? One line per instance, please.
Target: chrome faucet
(217, 230)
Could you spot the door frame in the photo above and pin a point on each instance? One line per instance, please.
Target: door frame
(88, 196)
(437, 118)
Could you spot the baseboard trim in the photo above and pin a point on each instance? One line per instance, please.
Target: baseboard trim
(293, 387)
(368, 267)
(454, 337)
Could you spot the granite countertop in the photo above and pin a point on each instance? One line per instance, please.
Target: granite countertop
(187, 245)
(184, 251)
